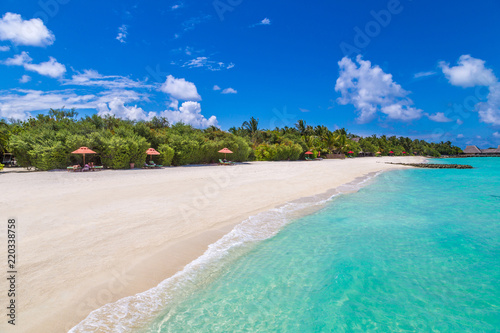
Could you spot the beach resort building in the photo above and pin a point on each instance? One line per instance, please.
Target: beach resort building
(475, 151)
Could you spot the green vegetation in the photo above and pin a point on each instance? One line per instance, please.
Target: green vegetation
(46, 142)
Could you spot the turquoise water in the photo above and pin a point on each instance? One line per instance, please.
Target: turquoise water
(415, 251)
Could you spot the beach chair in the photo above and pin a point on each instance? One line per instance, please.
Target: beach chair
(221, 162)
(75, 168)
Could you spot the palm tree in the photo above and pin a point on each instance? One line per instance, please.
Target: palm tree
(321, 130)
(301, 127)
(340, 143)
(252, 126)
(329, 140)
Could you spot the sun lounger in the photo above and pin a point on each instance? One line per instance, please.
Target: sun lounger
(221, 162)
(152, 166)
(74, 168)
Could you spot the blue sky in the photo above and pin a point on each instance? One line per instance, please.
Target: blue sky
(414, 68)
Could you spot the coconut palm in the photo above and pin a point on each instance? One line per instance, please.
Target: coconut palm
(251, 126)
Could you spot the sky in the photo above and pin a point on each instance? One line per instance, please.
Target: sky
(424, 69)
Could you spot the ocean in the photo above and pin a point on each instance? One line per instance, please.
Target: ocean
(415, 250)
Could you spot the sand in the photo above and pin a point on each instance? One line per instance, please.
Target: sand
(87, 239)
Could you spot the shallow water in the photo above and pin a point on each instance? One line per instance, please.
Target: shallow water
(416, 250)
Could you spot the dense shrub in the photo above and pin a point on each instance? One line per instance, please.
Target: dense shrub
(166, 154)
(286, 150)
(118, 152)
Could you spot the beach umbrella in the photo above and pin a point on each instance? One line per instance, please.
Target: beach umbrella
(225, 151)
(404, 152)
(350, 152)
(391, 152)
(151, 152)
(378, 152)
(83, 150)
(308, 153)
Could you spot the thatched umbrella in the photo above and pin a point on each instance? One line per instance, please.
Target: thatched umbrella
(151, 152)
(225, 151)
(83, 150)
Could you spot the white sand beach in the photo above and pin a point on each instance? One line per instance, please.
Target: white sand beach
(87, 239)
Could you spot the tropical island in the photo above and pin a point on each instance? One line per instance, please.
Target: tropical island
(46, 141)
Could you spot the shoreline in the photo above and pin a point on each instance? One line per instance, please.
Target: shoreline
(136, 267)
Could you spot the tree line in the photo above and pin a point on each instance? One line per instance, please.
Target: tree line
(46, 141)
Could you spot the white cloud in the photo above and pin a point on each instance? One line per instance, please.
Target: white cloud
(229, 91)
(180, 89)
(18, 60)
(90, 77)
(304, 110)
(18, 103)
(372, 91)
(25, 79)
(496, 135)
(25, 32)
(469, 72)
(216, 87)
(460, 121)
(50, 68)
(489, 111)
(190, 113)
(460, 136)
(117, 108)
(424, 74)
(174, 7)
(4, 48)
(122, 34)
(439, 117)
(265, 21)
(207, 63)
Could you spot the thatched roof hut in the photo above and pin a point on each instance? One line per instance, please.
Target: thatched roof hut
(490, 151)
(472, 150)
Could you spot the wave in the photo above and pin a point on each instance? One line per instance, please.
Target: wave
(133, 313)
